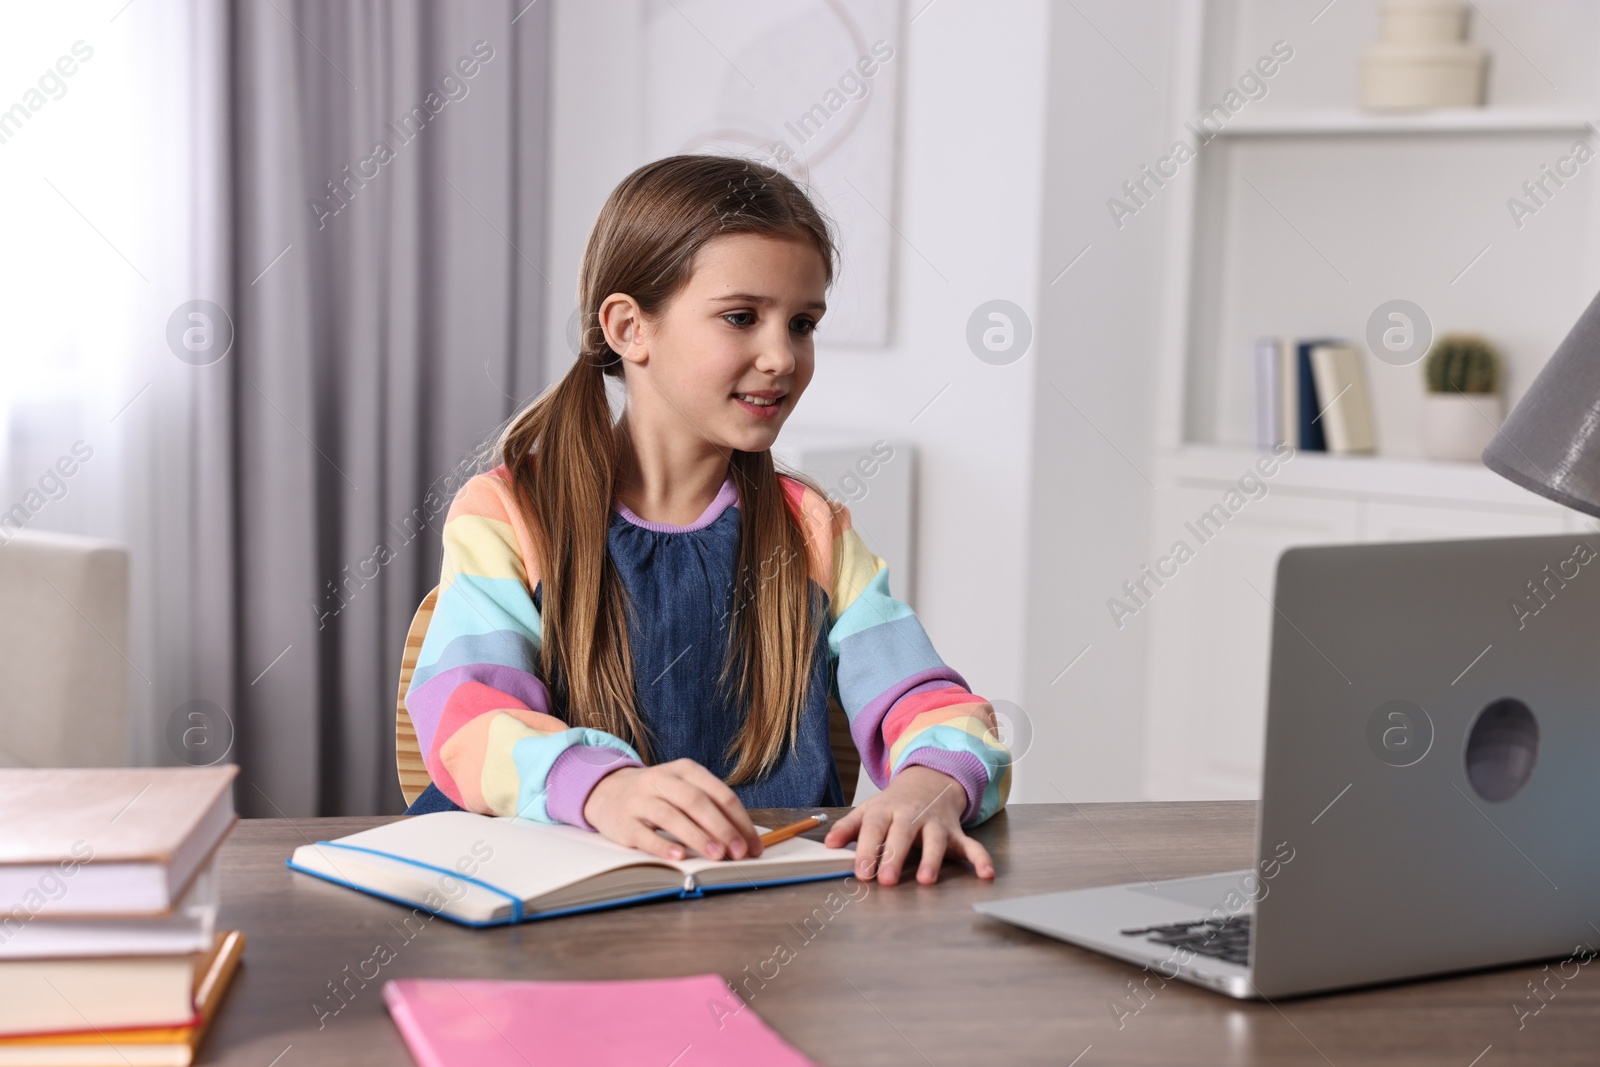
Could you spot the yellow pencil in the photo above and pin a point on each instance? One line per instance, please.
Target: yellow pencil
(783, 833)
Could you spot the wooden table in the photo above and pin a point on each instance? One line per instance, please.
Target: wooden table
(907, 974)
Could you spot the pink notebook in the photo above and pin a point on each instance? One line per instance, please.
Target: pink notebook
(697, 1021)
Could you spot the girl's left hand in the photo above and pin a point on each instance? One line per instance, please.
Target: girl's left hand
(920, 804)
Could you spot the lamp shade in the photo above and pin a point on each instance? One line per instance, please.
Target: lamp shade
(1550, 442)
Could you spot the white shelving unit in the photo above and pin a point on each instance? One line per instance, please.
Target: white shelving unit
(1451, 120)
(1298, 219)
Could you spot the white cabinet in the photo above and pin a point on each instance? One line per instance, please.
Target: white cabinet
(1385, 521)
(1301, 216)
(1209, 630)
(1209, 626)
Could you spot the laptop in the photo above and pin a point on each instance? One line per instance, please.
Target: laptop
(1430, 796)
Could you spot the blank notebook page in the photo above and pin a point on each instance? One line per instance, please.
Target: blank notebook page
(697, 1021)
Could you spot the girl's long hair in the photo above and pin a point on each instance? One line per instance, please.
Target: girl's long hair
(562, 454)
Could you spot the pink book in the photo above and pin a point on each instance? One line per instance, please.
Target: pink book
(696, 1021)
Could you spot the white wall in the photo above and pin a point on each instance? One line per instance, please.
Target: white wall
(971, 195)
(1094, 405)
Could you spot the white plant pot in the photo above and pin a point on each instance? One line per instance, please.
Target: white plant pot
(1460, 426)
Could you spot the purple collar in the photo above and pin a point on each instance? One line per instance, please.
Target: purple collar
(725, 496)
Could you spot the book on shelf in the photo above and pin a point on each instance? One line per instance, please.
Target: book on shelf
(1341, 387)
(480, 870)
(117, 841)
(1268, 409)
(1277, 400)
(1311, 437)
(1288, 394)
(93, 1006)
(1312, 394)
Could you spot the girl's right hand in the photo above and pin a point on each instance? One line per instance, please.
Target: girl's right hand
(680, 797)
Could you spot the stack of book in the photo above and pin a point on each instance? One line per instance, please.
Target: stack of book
(109, 952)
(1312, 396)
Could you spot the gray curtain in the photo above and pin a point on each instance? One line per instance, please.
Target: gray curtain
(386, 188)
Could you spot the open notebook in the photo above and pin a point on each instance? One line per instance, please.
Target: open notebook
(484, 871)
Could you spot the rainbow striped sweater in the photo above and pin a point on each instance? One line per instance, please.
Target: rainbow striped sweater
(493, 742)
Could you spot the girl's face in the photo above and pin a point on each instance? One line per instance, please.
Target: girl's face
(726, 360)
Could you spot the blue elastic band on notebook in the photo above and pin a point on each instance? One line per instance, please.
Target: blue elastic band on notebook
(728, 886)
(516, 901)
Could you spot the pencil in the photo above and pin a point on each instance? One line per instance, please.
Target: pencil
(783, 833)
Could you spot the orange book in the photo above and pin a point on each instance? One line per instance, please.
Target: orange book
(154, 1046)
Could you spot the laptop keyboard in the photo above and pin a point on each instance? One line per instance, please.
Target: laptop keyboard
(1223, 939)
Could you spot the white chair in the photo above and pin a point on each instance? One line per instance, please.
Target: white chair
(63, 638)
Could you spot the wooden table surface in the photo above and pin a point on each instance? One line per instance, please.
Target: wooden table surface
(906, 974)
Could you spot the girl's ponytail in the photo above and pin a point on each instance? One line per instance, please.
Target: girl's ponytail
(562, 455)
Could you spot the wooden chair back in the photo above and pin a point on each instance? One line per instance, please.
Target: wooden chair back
(845, 753)
(414, 777)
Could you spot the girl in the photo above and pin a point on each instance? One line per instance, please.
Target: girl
(640, 623)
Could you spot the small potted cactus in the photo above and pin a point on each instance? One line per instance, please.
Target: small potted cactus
(1464, 408)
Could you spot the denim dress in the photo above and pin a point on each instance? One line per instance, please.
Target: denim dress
(680, 582)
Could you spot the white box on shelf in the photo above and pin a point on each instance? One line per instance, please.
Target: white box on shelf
(1421, 59)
